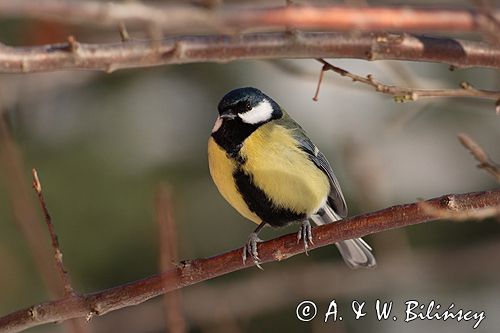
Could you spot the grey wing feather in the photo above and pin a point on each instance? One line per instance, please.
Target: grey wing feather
(335, 198)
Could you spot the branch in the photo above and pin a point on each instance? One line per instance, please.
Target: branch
(218, 48)
(194, 271)
(74, 325)
(407, 94)
(480, 155)
(195, 19)
(472, 214)
(435, 267)
(37, 186)
(274, 286)
(270, 292)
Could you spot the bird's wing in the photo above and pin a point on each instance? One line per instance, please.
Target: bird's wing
(335, 198)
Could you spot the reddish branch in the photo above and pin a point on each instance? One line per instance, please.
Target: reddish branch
(217, 48)
(232, 18)
(194, 271)
(273, 292)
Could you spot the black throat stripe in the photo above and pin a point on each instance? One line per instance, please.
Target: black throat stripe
(231, 135)
(260, 204)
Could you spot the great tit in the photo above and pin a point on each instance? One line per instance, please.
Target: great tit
(266, 167)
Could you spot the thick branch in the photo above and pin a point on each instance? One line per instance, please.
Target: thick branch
(421, 272)
(233, 18)
(218, 48)
(194, 271)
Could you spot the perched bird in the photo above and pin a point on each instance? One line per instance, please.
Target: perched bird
(267, 168)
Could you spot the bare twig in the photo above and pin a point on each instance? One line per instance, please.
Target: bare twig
(195, 19)
(216, 48)
(58, 256)
(122, 29)
(320, 81)
(195, 271)
(480, 155)
(408, 94)
(168, 256)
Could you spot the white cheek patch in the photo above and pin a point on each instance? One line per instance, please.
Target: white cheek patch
(260, 113)
(217, 125)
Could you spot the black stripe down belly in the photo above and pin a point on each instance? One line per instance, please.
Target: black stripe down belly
(258, 202)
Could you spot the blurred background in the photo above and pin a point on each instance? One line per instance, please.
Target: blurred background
(103, 144)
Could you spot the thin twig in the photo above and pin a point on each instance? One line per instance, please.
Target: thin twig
(218, 48)
(480, 155)
(122, 29)
(168, 256)
(194, 271)
(320, 81)
(408, 94)
(192, 19)
(77, 325)
(58, 256)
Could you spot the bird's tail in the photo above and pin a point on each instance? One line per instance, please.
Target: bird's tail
(356, 252)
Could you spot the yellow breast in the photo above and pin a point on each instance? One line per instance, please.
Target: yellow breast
(283, 171)
(221, 170)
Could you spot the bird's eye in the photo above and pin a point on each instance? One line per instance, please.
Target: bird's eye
(248, 106)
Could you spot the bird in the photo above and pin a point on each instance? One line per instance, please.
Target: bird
(266, 167)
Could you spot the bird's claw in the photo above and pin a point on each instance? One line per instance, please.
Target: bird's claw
(250, 248)
(305, 234)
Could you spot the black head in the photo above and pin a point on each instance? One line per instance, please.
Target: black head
(250, 105)
(242, 111)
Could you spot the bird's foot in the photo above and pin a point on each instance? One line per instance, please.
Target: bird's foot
(250, 249)
(305, 234)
